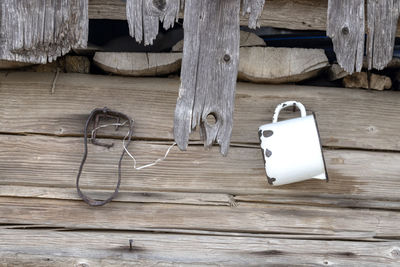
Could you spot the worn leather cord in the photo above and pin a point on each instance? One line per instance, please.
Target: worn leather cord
(95, 115)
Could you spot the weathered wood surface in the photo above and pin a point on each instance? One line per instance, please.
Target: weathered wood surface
(209, 72)
(280, 65)
(309, 14)
(40, 31)
(139, 64)
(223, 214)
(49, 248)
(144, 16)
(367, 81)
(344, 116)
(346, 28)
(247, 39)
(240, 174)
(253, 8)
(5, 64)
(382, 19)
(246, 217)
(335, 72)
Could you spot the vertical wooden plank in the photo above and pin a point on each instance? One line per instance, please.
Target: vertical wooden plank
(253, 8)
(382, 17)
(144, 15)
(39, 31)
(209, 71)
(346, 28)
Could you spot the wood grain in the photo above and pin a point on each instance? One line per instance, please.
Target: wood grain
(138, 64)
(280, 65)
(357, 178)
(40, 31)
(246, 217)
(310, 14)
(209, 72)
(85, 248)
(347, 118)
(252, 8)
(144, 17)
(346, 27)
(382, 18)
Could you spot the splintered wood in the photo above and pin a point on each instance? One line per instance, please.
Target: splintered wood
(209, 70)
(346, 28)
(381, 25)
(346, 20)
(209, 64)
(144, 15)
(40, 31)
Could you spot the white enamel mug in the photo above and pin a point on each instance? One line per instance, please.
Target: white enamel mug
(292, 148)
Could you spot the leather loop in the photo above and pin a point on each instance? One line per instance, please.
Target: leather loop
(105, 112)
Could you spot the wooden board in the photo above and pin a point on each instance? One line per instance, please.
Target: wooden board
(40, 31)
(209, 73)
(347, 36)
(310, 14)
(382, 20)
(196, 207)
(240, 175)
(347, 118)
(336, 223)
(86, 248)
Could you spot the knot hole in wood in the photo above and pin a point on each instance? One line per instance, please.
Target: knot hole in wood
(227, 58)
(211, 119)
(345, 30)
(160, 4)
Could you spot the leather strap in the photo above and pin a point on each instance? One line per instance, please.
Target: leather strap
(107, 112)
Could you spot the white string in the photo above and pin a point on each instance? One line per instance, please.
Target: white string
(107, 125)
(129, 154)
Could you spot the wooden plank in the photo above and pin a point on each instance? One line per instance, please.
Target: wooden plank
(337, 223)
(348, 35)
(357, 178)
(84, 248)
(144, 16)
(347, 118)
(381, 28)
(209, 72)
(310, 14)
(253, 8)
(40, 31)
(187, 198)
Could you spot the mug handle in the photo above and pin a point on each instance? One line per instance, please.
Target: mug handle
(288, 104)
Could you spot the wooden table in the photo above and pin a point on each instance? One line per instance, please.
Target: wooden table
(196, 207)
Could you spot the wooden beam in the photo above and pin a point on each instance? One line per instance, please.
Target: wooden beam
(382, 18)
(144, 18)
(85, 248)
(241, 173)
(310, 14)
(347, 118)
(209, 72)
(346, 27)
(246, 217)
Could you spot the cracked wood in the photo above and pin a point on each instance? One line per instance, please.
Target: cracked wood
(209, 71)
(40, 31)
(144, 16)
